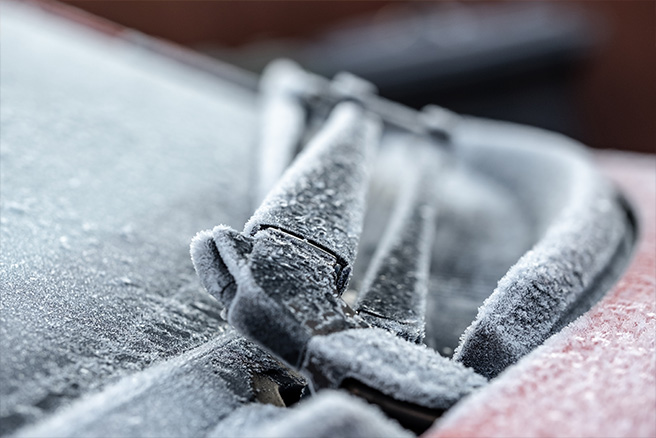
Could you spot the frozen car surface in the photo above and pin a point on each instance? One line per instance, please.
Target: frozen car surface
(102, 148)
(114, 157)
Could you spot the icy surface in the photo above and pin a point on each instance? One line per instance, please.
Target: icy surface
(185, 396)
(398, 368)
(583, 229)
(329, 414)
(111, 159)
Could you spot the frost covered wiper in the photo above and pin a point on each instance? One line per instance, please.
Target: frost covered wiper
(282, 278)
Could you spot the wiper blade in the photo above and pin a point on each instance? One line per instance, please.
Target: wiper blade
(393, 295)
(294, 258)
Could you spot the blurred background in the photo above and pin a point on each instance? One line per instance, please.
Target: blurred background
(586, 69)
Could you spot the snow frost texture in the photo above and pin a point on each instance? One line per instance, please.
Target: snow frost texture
(398, 368)
(321, 197)
(184, 396)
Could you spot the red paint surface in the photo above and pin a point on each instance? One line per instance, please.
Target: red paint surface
(597, 377)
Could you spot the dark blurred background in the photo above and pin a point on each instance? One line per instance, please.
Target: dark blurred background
(586, 69)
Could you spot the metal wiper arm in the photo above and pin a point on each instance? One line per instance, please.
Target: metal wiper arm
(293, 98)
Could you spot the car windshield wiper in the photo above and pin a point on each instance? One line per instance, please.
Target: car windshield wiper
(282, 278)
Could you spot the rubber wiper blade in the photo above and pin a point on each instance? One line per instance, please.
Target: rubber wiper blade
(393, 295)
